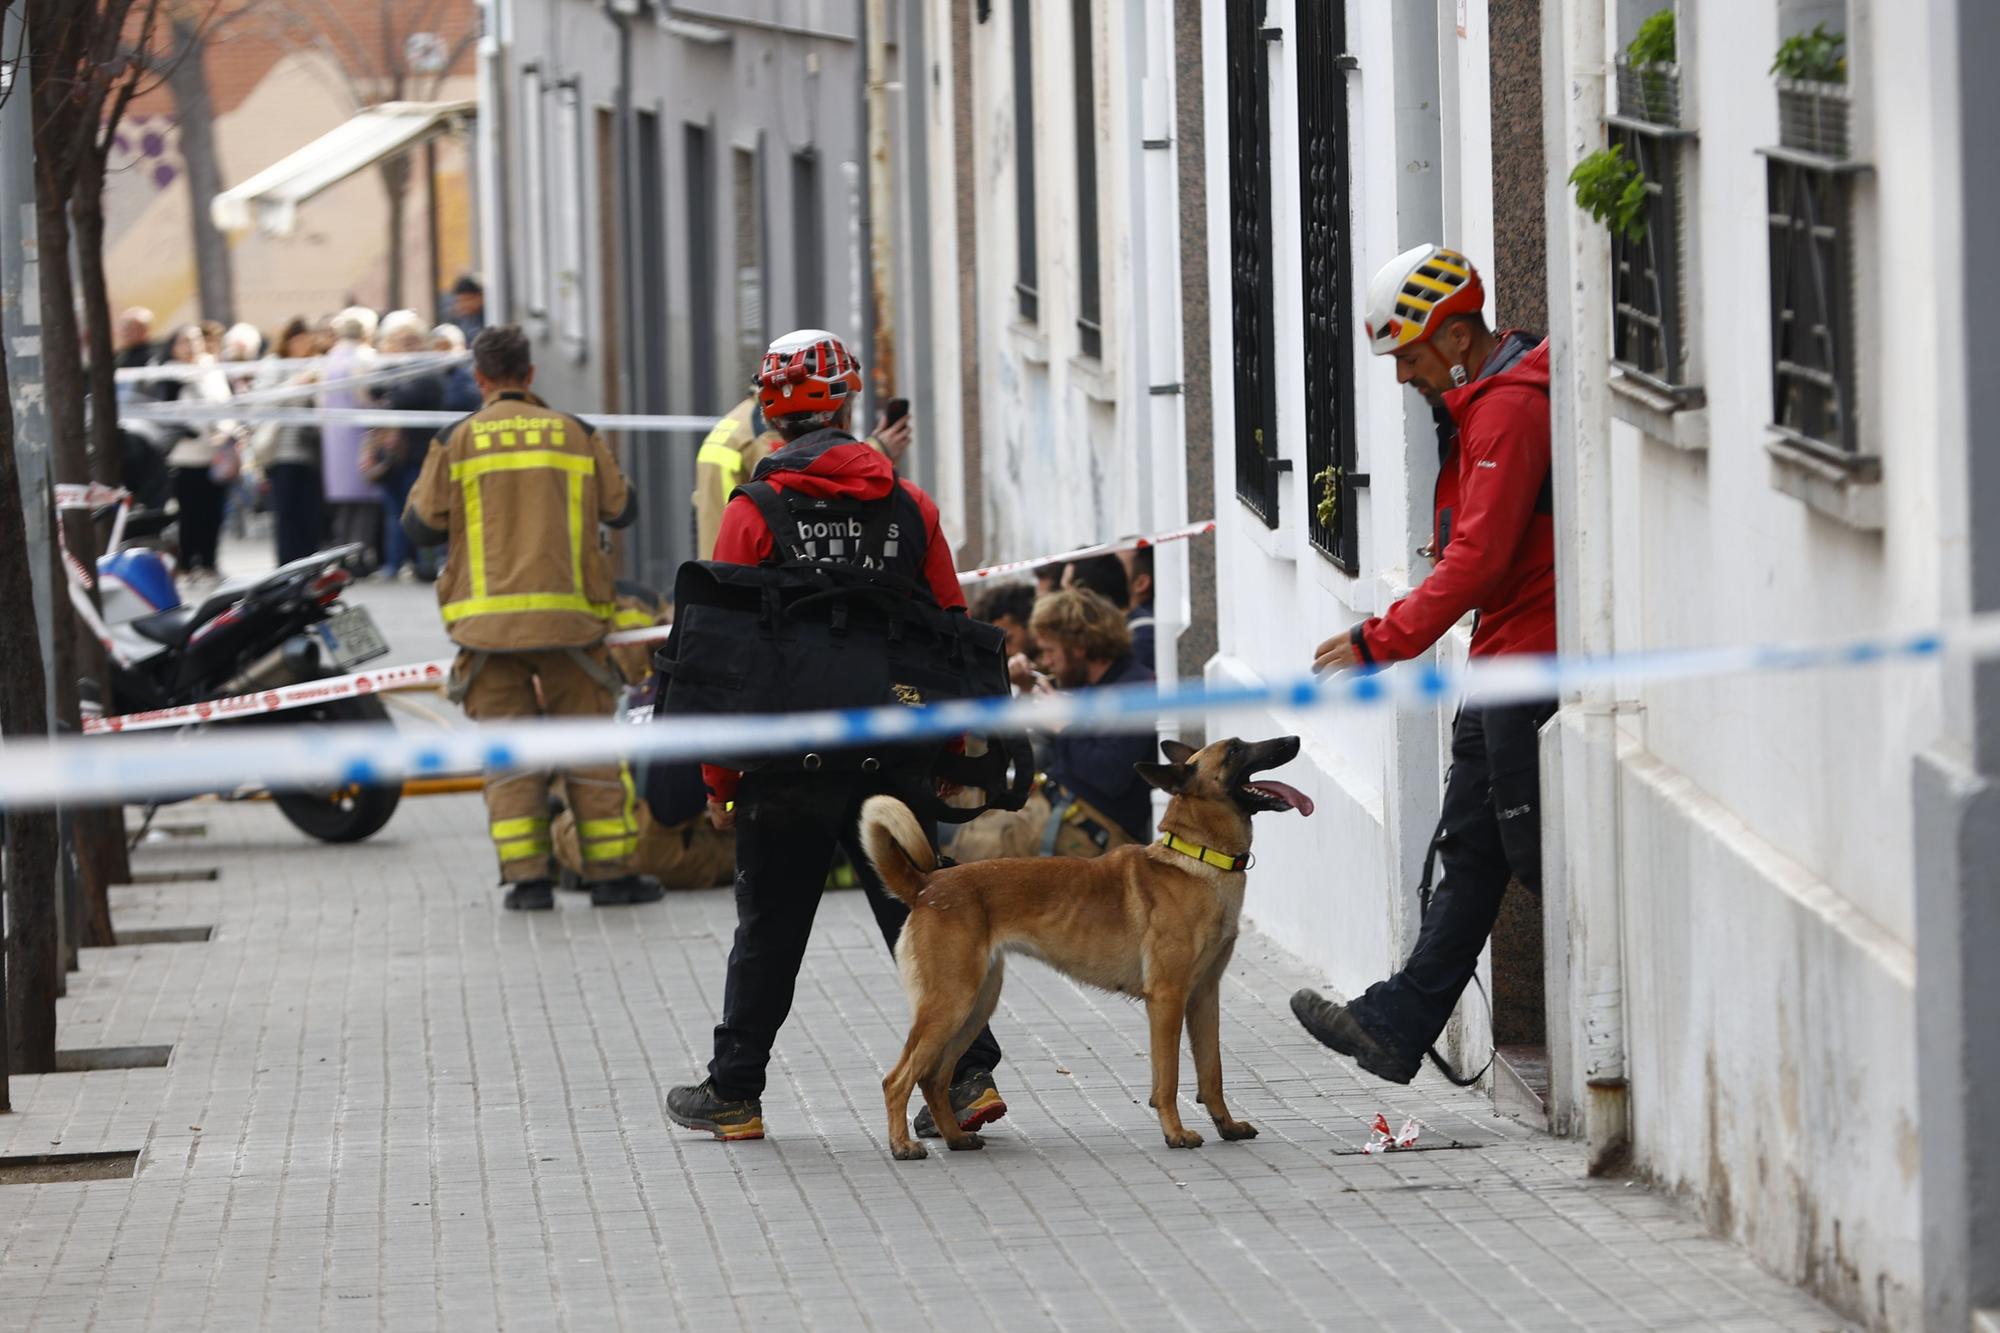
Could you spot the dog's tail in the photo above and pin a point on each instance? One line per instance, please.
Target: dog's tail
(896, 846)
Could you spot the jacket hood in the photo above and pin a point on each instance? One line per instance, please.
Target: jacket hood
(829, 463)
(1519, 360)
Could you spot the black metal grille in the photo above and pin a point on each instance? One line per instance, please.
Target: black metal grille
(1090, 312)
(1329, 343)
(1648, 335)
(1812, 315)
(1257, 464)
(1028, 283)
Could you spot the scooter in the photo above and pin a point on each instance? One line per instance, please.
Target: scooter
(286, 627)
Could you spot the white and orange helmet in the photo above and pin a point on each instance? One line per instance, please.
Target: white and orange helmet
(808, 372)
(1414, 293)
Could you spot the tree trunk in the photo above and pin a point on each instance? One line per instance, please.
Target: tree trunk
(188, 81)
(396, 180)
(87, 203)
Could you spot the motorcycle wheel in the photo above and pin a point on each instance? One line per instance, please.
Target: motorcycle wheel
(346, 814)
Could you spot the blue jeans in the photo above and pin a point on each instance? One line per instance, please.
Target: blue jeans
(396, 548)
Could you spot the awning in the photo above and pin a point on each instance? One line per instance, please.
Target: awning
(270, 199)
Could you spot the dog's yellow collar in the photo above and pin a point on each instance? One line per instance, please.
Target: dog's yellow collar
(1220, 860)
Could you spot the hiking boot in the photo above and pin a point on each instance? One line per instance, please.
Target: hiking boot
(626, 891)
(530, 895)
(974, 1100)
(702, 1107)
(1336, 1028)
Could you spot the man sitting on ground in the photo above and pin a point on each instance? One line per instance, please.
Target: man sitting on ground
(1089, 799)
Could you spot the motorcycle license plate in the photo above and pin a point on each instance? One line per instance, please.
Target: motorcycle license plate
(349, 637)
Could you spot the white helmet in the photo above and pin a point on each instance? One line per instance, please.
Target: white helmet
(1414, 293)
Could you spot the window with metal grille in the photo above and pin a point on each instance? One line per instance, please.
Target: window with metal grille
(1027, 283)
(1252, 322)
(1329, 259)
(1090, 313)
(702, 363)
(1648, 330)
(808, 270)
(1812, 301)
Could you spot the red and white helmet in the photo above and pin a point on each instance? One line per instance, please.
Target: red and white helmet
(1414, 293)
(808, 372)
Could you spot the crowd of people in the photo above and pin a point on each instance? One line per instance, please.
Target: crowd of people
(318, 484)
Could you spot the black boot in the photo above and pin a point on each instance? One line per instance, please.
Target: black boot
(702, 1107)
(625, 891)
(1338, 1029)
(530, 895)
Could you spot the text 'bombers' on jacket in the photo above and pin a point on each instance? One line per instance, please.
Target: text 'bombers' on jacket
(1494, 535)
(519, 490)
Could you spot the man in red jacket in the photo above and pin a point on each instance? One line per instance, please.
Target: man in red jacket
(789, 823)
(1494, 544)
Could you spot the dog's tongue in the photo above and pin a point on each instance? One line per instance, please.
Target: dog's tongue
(1290, 795)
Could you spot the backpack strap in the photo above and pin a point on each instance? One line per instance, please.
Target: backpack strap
(776, 517)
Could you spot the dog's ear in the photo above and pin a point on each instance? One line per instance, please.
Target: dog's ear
(1176, 751)
(1167, 777)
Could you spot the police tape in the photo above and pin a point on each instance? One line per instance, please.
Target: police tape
(68, 771)
(187, 370)
(178, 413)
(425, 675)
(382, 680)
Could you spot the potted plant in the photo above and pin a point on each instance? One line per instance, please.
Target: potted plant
(1812, 92)
(1649, 80)
(1611, 188)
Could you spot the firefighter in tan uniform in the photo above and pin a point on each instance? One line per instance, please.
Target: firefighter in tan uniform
(519, 489)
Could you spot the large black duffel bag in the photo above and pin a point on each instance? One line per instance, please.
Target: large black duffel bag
(809, 636)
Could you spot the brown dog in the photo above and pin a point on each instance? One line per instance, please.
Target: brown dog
(1157, 922)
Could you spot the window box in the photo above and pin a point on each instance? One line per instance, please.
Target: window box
(1813, 117)
(1650, 95)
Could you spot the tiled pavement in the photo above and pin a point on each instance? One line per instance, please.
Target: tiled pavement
(392, 1105)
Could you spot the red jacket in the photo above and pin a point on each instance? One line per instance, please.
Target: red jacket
(851, 471)
(1494, 540)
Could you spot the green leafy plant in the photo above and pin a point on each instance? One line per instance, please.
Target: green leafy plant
(1654, 43)
(1328, 507)
(1812, 57)
(1611, 188)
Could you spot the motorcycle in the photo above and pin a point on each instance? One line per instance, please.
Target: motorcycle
(287, 627)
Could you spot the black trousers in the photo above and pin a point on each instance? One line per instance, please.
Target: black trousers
(295, 509)
(202, 503)
(1490, 831)
(787, 827)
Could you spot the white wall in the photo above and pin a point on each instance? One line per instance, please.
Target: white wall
(1766, 825)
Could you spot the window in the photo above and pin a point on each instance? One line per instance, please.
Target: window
(568, 185)
(1090, 313)
(700, 197)
(1249, 93)
(1329, 262)
(808, 268)
(748, 196)
(1649, 330)
(1812, 301)
(1027, 286)
(535, 186)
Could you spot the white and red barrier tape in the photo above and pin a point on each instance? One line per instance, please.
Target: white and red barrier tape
(419, 675)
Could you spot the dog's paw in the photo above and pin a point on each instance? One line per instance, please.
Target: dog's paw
(966, 1143)
(909, 1152)
(1236, 1129)
(1184, 1138)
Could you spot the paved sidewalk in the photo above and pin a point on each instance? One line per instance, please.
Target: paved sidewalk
(392, 1105)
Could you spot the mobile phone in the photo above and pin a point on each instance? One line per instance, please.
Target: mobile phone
(895, 410)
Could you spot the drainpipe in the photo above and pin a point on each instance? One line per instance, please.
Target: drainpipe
(489, 144)
(1587, 739)
(881, 207)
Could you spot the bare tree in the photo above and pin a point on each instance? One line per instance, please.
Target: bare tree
(192, 27)
(370, 68)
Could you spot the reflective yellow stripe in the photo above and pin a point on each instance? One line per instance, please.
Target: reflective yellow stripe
(576, 532)
(615, 827)
(521, 849)
(724, 457)
(475, 536)
(518, 828)
(526, 601)
(616, 850)
(720, 434)
(522, 460)
(631, 619)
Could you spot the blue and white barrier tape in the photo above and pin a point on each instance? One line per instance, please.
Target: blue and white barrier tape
(128, 768)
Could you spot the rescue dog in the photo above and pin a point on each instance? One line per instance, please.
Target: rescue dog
(1156, 922)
